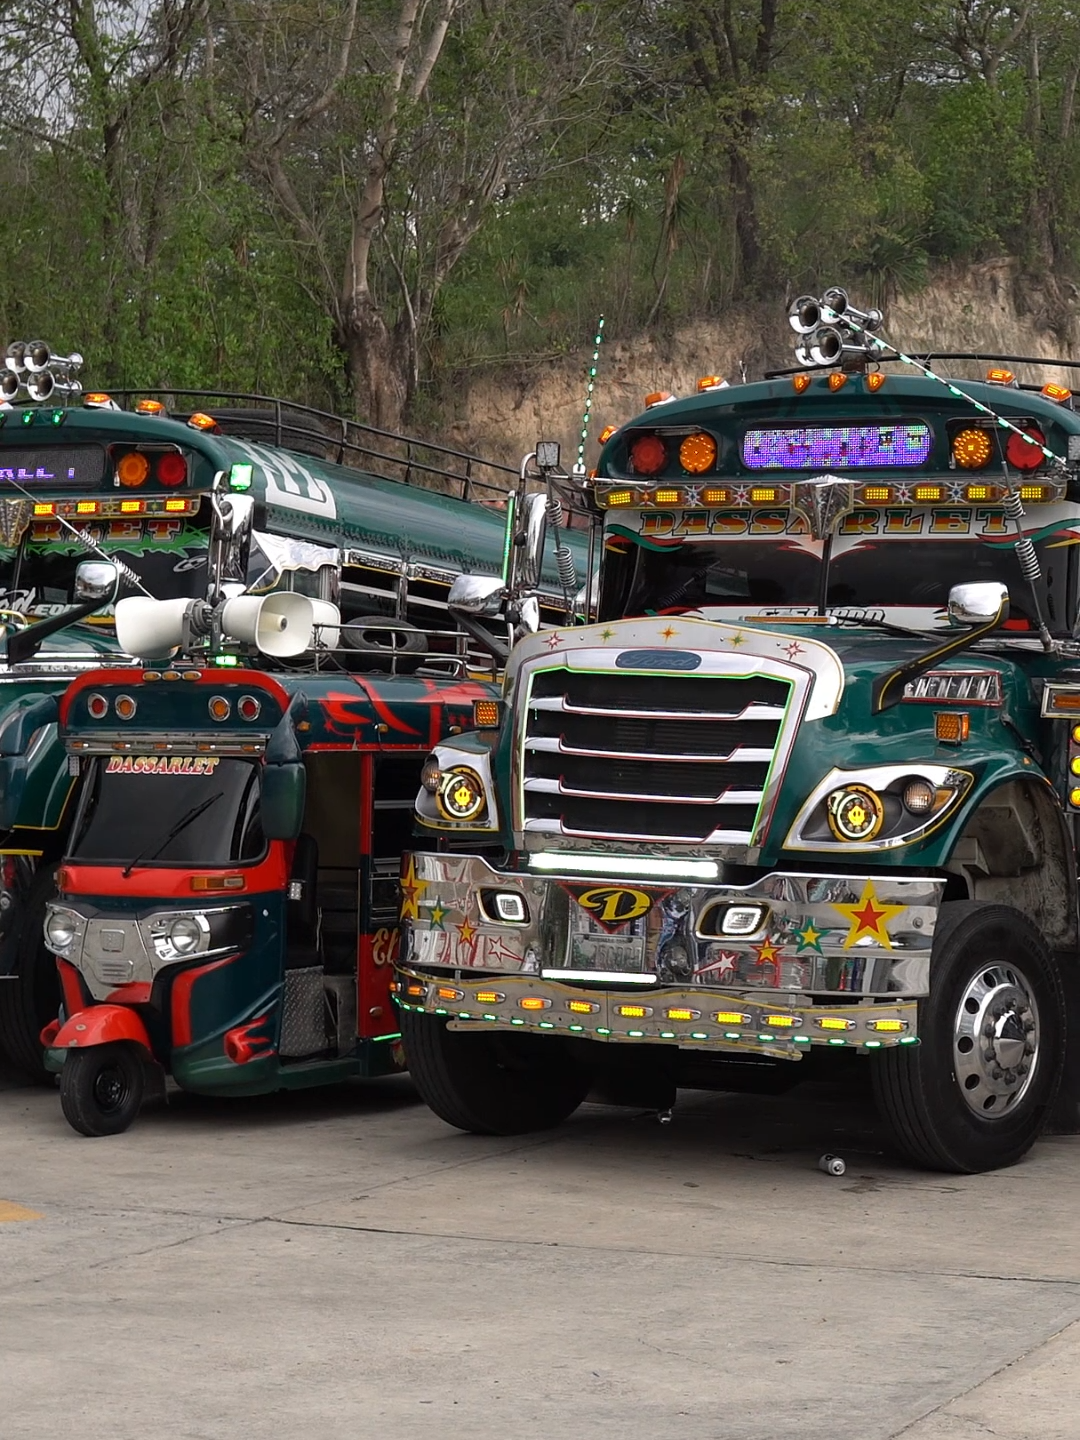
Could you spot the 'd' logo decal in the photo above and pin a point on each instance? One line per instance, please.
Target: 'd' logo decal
(614, 905)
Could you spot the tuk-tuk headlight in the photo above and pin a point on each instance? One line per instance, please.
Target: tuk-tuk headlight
(61, 928)
(184, 934)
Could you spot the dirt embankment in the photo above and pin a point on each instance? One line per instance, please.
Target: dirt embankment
(988, 308)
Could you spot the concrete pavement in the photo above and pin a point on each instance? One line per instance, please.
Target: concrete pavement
(341, 1263)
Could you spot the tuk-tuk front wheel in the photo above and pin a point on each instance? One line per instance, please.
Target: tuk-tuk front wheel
(101, 1089)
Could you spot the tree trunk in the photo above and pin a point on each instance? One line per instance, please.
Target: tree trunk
(376, 364)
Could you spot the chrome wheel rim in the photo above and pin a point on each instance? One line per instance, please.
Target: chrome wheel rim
(996, 1040)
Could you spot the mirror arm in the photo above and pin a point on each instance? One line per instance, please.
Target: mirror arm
(888, 689)
(496, 648)
(23, 645)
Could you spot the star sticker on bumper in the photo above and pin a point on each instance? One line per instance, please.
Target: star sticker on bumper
(869, 918)
(412, 888)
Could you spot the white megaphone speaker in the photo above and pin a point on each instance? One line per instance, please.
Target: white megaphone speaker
(280, 624)
(327, 619)
(146, 627)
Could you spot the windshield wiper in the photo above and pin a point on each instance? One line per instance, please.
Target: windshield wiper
(181, 824)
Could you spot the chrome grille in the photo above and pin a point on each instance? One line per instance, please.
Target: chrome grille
(649, 757)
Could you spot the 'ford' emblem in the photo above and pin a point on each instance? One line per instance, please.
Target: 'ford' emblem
(657, 660)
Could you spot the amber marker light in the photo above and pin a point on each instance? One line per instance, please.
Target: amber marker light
(837, 380)
(199, 421)
(658, 397)
(877, 494)
(606, 433)
(972, 448)
(711, 382)
(875, 380)
(952, 727)
(929, 492)
(667, 497)
(132, 468)
(217, 882)
(485, 714)
(764, 495)
(800, 383)
(534, 1002)
(697, 453)
(149, 407)
(715, 496)
(998, 375)
(1057, 393)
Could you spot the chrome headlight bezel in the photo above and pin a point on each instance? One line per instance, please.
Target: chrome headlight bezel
(161, 928)
(441, 766)
(812, 830)
(76, 924)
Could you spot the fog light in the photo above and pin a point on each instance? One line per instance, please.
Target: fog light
(919, 797)
(510, 907)
(430, 775)
(742, 919)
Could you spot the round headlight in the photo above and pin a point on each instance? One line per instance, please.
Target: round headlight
(60, 927)
(855, 812)
(184, 934)
(431, 775)
(918, 797)
(461, 794)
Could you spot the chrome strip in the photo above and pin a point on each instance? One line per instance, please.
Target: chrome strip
(556, 827)
(726, 797)
(750, 712)
(742, 754)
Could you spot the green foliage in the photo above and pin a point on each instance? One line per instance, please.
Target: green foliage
(653, 162)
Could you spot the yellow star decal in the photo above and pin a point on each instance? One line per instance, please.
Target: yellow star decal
(412, 887)
(869, 917)
(438, 914)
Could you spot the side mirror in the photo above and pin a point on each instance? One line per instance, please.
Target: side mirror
(284, 791)
(979, 602)
(96, 580)
(476, 595)
(527, 553)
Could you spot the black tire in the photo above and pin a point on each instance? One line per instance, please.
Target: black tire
(949, 1101)
(386, 644)
(32, 998)
(494, 1084)
(101, 1089)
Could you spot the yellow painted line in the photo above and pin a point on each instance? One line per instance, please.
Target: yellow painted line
(10, 1211)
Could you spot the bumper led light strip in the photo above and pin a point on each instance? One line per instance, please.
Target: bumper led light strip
(746, 1024)
(115, 509)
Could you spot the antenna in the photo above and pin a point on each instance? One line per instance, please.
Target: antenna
(579, 466)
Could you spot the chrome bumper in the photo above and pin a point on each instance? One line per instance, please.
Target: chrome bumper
(819, 935)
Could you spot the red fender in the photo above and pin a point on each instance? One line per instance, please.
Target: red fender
(100, 1025)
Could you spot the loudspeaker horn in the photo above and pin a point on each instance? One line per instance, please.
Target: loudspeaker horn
(146, 627)
(280, 624)
(804, 314)
(10, 385)
(41, 385)
(326, 618)
(37, 356)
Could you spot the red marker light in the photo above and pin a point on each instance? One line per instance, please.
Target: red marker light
(172, 469)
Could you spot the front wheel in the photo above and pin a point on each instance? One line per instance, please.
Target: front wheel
(493, 1084)
(101, 1089)
(975, 1094)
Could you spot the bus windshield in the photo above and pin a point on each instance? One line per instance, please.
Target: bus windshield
(37, 577)
(169, 810)
(904, 581)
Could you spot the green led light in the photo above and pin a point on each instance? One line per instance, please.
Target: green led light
(698, 1035)
(664, 1034)
(241, 477)
(437, 1012)
(601, 1031)
(909, 1039)
(732, 1035)
(801, 1039)
(635, 1034)
(491, 1017)
(515, 1021)
(575, 1027)
(834, 1041)
(767, 1038)
(873, 1044)
(464, 1015)
(226, 659)
(396, 1036)
(58, 417)
(544, 1024)
(28, 417)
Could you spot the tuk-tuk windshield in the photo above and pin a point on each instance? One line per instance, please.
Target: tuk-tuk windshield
(197, 810)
